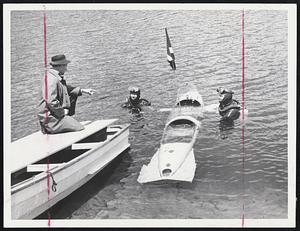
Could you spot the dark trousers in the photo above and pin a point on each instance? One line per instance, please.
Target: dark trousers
(73, 100)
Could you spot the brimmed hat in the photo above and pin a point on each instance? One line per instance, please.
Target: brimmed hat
(59, 60)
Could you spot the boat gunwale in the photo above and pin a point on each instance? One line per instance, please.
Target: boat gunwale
(42, 175)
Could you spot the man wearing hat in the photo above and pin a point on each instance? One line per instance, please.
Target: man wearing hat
(58, 100)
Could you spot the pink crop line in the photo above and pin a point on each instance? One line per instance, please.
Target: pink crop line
(46, 109)
(45, 65)
(243, 67)
(243, 113)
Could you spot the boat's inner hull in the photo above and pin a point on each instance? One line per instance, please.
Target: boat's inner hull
(62, 156)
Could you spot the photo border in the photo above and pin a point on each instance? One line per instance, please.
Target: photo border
(292, 90)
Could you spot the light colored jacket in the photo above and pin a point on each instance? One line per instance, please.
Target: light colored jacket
(54, 98)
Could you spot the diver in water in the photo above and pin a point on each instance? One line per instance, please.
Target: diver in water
(134, 101)
(229, 108)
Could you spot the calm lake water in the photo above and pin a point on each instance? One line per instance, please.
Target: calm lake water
(112, 50)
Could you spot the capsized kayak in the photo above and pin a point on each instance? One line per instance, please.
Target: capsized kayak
(174, 160)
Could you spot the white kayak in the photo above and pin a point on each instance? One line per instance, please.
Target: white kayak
(188, 102)
(174, 160)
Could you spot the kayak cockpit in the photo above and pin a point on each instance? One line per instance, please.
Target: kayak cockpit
(189, 102)
(179, 131)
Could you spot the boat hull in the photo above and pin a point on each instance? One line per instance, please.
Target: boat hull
(171, 156)
(151, 172)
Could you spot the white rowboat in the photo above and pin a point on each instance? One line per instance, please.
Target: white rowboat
(60, 163)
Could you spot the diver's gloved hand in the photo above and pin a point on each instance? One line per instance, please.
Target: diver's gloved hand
(88, 91)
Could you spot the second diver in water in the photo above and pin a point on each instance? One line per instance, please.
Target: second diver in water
(134, 102)
(229, 108)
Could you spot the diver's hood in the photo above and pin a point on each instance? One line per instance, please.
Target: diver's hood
(135, 90)
(227, 99)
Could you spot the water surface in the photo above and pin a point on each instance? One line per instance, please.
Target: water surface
(112, 50)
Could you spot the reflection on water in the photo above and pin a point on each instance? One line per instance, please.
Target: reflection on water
(112, 50)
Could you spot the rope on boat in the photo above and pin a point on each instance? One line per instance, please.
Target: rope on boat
(53, 187)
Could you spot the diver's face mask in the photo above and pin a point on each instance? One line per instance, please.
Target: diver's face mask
(133, 96)
(221, 90)
(224, 95)
(221, 97)
(134, 93)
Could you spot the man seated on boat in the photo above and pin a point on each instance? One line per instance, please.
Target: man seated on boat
(134, 101)
(229, 108)
(58, 99)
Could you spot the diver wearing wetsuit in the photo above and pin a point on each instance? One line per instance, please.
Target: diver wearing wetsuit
(228, 108)
(134, 102)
